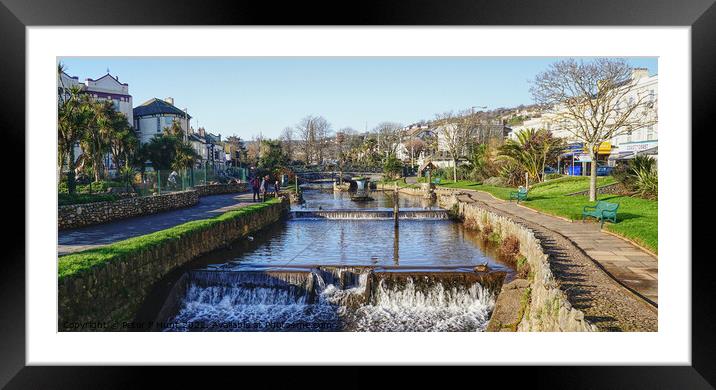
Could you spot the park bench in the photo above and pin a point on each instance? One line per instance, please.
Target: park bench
(520, 194)
(602, 211)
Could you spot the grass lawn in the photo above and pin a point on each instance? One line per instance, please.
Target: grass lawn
(71, 264)
(637, 218)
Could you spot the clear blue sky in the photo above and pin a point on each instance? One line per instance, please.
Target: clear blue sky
(245, 96)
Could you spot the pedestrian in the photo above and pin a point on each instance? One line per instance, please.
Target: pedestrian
(255, 187)
(265, 187)
(276, 188)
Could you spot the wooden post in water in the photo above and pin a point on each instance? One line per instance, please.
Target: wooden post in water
(395, 205)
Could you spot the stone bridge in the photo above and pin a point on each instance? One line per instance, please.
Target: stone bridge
(333, 175)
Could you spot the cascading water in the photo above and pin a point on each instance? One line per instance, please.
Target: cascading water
(370, 214)
(335, 299)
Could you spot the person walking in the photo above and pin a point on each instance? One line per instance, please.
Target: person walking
(255, 187)
(265, 187)
(276, 189)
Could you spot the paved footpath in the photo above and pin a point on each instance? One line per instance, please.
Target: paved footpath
(630, 265)
(87, 237)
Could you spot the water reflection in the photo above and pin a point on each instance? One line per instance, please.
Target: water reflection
(362, 242)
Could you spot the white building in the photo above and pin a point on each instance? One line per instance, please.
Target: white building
(107, 87)
(625, 144)
(152, 116)
(645, 138)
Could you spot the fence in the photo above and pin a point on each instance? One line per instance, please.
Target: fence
(166, 181)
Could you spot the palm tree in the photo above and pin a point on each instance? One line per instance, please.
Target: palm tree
(95, 142)
(532, 151)
(184, 156)
(73, 116)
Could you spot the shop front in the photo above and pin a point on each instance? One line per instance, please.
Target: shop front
(577, 162)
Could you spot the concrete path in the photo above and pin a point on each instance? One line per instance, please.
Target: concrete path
(87, 237)
(628, 264)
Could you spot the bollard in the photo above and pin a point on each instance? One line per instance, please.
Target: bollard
(395, 206)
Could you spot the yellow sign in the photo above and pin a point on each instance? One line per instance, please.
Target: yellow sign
(604, 148)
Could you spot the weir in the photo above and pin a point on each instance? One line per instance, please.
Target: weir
(333, 298)
(370, 214)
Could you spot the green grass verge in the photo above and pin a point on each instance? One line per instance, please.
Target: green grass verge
(81, 261)
(637, 218)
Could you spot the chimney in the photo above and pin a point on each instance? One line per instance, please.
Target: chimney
(202, 132)
(169, 100)
(638, 73)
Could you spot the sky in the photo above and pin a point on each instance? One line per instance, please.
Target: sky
(247, 96)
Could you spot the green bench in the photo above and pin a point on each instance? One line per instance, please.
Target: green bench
(602, 211)
(520, 194)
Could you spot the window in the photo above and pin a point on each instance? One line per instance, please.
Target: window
(650, 133)
(159, 126)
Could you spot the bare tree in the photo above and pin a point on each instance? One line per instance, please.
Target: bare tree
(455, 132)
(313, 131)
(253, 152)
(389, 135)
(287, 142)
(595, 101)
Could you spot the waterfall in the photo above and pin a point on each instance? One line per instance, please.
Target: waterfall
(370, 214)
(336, 298)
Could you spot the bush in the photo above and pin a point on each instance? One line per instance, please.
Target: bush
(392, 167)
(647, 182)
(639, 176)
(96, 187)
(67, 199)
(523, 267)
(510, 248)
(513, 174)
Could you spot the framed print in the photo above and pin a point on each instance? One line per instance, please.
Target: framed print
(440, 183)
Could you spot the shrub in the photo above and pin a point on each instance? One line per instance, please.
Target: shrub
(647, 183)
(523, 267)
(486, 231)
(392, 167)
(67, 199)
(639, 176)
(512, 173)
(510, 248)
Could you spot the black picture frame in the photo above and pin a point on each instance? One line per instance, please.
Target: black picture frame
(15, 15)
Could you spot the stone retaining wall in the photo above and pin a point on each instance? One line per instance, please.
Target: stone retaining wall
(78, 215)
(111, 293)
(615, 188)
(217, 189)
(548, 310)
